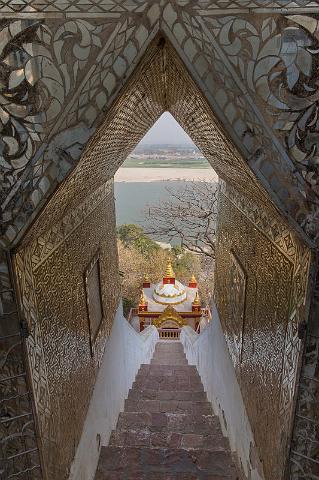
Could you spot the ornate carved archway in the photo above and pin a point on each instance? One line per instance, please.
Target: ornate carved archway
(169, 316)
(94, 81)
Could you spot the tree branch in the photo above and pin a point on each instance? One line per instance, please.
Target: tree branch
(188, 214)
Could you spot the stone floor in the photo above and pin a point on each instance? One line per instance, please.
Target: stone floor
(167, 430)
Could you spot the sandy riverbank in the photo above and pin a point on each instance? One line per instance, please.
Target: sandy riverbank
(158, 174)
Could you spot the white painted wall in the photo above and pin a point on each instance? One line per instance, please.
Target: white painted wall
(125, 350)
(209, 352)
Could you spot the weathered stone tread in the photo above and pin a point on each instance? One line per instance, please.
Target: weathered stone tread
(167, 430)
(140, 461)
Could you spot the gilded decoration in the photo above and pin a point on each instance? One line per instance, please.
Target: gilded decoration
(93, 78)
(50, 272)
(61, 74)
(141, 103)
(261, 324)
(169, 314)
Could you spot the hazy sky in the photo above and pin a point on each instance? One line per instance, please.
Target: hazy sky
(166, 130)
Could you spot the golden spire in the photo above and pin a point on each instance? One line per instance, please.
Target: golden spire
(196, 299)
(143, 301)
(193, 279)
(169, 272)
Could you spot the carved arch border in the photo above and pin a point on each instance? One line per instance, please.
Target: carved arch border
(160, 82)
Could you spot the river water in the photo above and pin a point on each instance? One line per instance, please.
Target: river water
(135, 189)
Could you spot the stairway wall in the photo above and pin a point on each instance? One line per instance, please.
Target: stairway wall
(66, 340)
(209, 353)
(125, 351)
(261, 293)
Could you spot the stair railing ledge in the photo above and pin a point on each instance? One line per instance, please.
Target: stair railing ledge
(188, 337)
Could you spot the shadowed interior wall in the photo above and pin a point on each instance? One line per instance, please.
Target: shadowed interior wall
(261, 286)
(51, 271)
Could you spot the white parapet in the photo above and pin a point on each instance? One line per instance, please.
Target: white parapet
(209, 352)
(125, 351)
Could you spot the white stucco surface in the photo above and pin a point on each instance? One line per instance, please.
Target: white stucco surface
(182, 302)
(209, 352)
(125, 350)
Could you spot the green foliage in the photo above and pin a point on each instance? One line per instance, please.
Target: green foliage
(177, 250)
(180, 162)
(128, 303)
(139, 255)
(128, 233)
(185, 263)
(132, 235)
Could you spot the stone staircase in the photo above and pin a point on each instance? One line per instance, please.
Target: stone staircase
(167, 430)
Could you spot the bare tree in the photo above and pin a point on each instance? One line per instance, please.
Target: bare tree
(189, 215)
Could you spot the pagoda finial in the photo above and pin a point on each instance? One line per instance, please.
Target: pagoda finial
(143, 301)
(193, 282)
(146, 282)
(169, 272)
(196, 299)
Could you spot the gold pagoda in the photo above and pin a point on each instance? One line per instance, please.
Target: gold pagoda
(169, 304)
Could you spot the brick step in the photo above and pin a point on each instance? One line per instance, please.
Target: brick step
(169, 375)
(170, 422)
(169, 354)
(147, 394)
(213, 442)
(168, 430)
(151, 374)
(168, 406)
(169, 348)
(169, 358)
(162, 350)
(169, 362)
(168, 369)
(141, 463)
(157, 382)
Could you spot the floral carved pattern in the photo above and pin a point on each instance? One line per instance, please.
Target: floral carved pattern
(38, 73)
(238, 317)
(60, 73)
(48, 356)
(277, 60)
(262, 72)
(56, 79)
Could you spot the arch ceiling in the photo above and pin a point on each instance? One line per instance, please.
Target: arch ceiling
(63, 64)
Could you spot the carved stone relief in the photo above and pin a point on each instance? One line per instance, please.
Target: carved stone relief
(75, 80)
(59, 77)
(51, 272)
(267, 342)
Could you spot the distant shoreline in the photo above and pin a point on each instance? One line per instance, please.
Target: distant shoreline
(140, 174)
(161, 166)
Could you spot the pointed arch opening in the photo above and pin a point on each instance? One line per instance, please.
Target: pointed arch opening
(78, 222)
